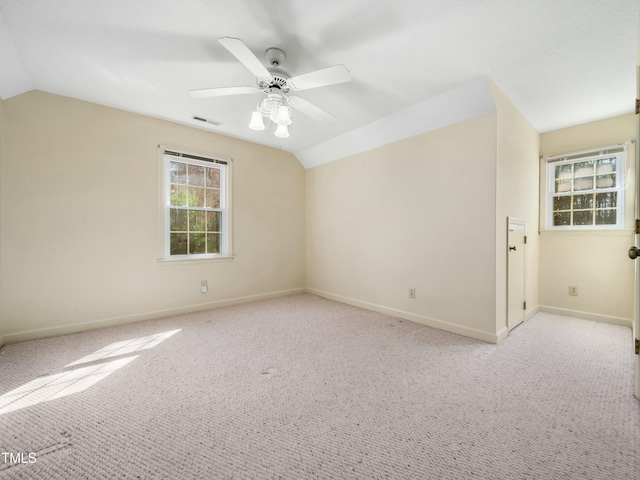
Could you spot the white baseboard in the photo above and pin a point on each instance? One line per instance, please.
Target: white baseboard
(431, 322)
(108, 322)
(532, 313)
(502, 334)
(596, 317)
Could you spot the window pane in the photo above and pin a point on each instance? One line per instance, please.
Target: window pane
(178, 196)
(606, 200)
(196, 197)
(197, 221)
(606, 181)
(606, 165)
(195, 209)
(178, 243)
(178, 220)
(213, 243)
(606, 217)
(581, 202)
(196, 175)
(563, 218)
(178, 172)
(562, 203)
(563, 172)
(583, 218)
(584, 192)
(197, 243)
(583, 184)
(213, 198)
(563, 186)
(213, 221)
(583, 169)
(213, 177)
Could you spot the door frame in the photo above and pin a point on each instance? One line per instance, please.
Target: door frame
(636, 320)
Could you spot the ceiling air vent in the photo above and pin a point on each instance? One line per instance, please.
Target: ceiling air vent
(205, 120)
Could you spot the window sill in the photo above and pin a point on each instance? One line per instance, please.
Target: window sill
(191, 261)
(588, 232)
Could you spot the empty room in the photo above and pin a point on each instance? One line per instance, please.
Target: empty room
(285, 239)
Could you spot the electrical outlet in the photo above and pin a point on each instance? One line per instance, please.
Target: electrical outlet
(412, 292)
(573, 291)
(204, 288)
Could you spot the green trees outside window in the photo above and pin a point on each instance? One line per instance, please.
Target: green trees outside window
(195, 208)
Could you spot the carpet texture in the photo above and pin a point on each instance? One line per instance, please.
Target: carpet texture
(302, 387)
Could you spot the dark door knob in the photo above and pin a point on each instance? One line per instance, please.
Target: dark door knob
(512, 248)
(634, 252)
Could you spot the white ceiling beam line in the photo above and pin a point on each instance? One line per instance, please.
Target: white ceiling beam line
(468, 101)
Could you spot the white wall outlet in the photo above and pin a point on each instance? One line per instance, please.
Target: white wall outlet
(204, 288)
(573, 291)
(412, 292)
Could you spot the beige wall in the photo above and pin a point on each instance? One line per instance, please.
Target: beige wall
(79, 223)
(79, 205)
(517, 197)
(595, 262)
(418, 213)
(429, 212)
(588, 135)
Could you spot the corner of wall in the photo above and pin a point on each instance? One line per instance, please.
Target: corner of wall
(517, 196)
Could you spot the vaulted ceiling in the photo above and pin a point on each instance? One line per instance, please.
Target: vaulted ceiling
(562, 62)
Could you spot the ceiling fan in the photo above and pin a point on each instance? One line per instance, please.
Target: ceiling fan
(277, 85)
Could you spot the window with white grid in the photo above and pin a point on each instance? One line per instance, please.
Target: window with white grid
(196, 204)
(586, 191)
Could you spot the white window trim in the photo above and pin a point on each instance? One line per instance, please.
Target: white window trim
(620, 152)
(226, 176)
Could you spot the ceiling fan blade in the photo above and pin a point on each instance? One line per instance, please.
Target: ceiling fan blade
(238, 49)
(311, 110)
(221, 92)
(320, 78)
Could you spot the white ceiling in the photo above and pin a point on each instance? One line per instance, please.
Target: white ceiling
(562, 62)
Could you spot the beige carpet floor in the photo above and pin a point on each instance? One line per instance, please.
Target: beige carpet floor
(302, 387)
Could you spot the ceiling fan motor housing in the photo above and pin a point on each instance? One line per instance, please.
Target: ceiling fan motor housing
(278, 80)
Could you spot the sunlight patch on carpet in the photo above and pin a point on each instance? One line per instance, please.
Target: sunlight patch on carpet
(125, 347)
(58, 385)
(77, 380)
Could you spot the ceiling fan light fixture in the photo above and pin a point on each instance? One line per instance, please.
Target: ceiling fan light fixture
(282, 131)
(256, 121)
(284, 115)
